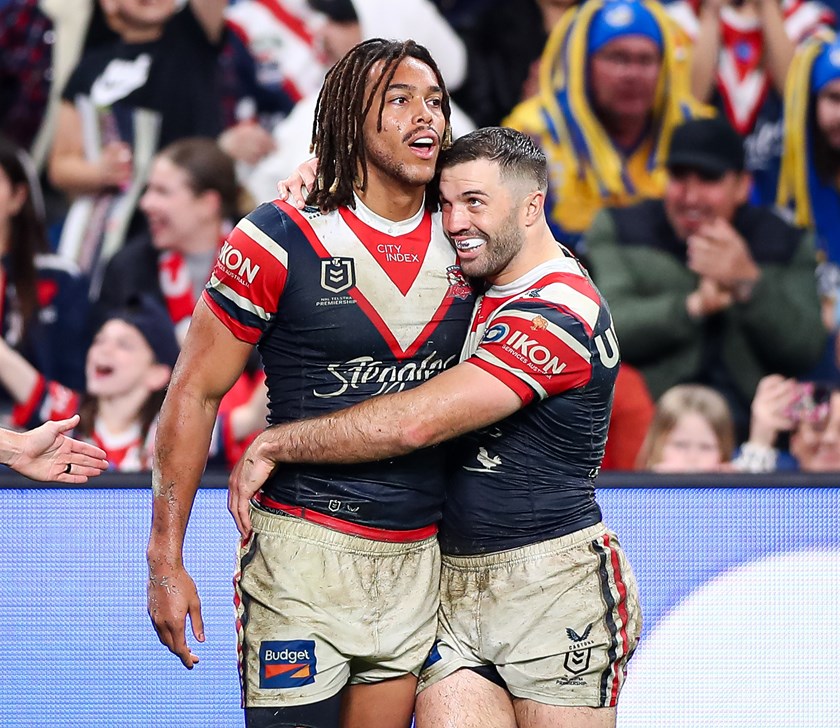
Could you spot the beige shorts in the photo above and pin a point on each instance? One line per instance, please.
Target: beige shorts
(317, 609)
(559, 619)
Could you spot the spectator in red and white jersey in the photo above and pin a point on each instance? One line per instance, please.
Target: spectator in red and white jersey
(742, 52)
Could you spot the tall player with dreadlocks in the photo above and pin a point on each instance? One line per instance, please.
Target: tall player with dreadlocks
(357, 294)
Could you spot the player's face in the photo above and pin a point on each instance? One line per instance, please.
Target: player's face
(693, 199)
(406, 149)
(816, 445)
(480, 218)
(623, 77)
(828, 113)
(173, 209)
(690, 447)
(119, 361)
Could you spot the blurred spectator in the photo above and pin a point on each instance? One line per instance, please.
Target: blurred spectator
(43, 301)
(346, 23)
(691, 432)
(504, 42)
(26, 39)
(809, 411)
(191, 203)
(742, 52)
(125, 100)
(809, 185)
(705, 288)
(127, 370)
(128, 367)
(614, 83)
(279, 35)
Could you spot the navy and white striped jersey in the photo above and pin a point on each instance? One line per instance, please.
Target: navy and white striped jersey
(549, 337)
(345, 306)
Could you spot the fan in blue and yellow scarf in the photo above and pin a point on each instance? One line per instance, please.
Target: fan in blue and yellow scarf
(809, 183)
(613, 84)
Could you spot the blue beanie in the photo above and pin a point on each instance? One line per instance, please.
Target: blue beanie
(151, 319)
(826, 66)
(619, 19)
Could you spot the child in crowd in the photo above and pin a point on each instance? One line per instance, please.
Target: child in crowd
(127, 370)
(692, 432)
(43, 303)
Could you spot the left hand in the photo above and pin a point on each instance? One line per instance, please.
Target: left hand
(246, 479)
(46, 452)
(718, 251)
(295, 188)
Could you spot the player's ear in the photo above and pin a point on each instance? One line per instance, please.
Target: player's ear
(533, 206)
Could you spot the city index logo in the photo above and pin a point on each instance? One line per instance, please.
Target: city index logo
(287, 663)
(236, 263)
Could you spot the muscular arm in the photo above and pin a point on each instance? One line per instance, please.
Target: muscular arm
(456, 401)
(211, 360)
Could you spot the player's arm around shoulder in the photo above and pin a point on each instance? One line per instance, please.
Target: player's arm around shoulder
(211, 360)
(454, 402)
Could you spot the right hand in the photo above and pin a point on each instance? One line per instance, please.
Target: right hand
(171, 597)
(769, 410)
(115, 166)
(709, 298)
(294, 188)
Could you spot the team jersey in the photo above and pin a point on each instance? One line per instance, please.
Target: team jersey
(345, 306)
(548, 336)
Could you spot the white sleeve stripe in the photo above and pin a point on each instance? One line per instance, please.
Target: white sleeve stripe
(239, 301)
(264, 241)
(485, 355)
(555, 330)
(580, 304)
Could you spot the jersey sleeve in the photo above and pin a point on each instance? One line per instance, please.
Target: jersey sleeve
(536, 349)
(247, 282)
(49, 400)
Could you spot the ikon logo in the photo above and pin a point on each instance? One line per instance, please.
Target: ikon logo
(234, 261)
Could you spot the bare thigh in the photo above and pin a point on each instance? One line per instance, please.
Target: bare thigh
(531, 714)
(386, 704)
(464, 700)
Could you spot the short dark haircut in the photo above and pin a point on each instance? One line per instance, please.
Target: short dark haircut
(337, 132)
(514, 152)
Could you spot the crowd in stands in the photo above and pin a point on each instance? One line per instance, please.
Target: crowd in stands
(694, 156)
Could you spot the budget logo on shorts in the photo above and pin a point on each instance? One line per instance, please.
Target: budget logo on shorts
(337, 274)
(287, 663)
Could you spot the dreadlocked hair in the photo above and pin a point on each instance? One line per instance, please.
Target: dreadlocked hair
(337, 131)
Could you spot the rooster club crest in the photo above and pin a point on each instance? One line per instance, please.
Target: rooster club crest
(459, 287)
(539, 323)
(576, 660)
(337, 274)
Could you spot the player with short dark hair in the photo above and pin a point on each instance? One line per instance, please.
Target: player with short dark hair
(539, 607)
